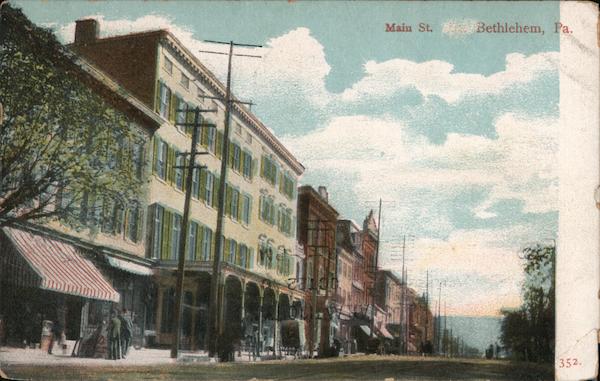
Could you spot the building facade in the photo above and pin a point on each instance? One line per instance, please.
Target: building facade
(51, 270)
(260, 193)
(317, 234)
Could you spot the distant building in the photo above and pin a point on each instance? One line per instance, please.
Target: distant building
(316, 233)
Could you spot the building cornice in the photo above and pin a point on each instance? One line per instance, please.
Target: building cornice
(241, 111)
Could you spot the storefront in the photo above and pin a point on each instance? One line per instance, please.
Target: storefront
(46, 279)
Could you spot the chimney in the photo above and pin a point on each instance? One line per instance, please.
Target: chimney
(86, 31)
(323, 193)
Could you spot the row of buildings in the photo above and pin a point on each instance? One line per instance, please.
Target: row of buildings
(287, 256)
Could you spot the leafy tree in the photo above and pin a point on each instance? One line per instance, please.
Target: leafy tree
(528, 332)
(63, 148)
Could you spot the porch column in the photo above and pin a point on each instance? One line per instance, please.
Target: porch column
(261, 295)
(276, 325)
(243, 299)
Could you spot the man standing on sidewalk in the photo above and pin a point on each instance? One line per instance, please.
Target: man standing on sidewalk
(126, 332)
(114, 337)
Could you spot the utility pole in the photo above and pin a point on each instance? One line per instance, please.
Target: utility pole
(439, 319)
(215, 303)
(183, 234)
(426, 306)
(375, 272)
(445, 330)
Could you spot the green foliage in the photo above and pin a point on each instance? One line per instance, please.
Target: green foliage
(58, 134)
(529, 331)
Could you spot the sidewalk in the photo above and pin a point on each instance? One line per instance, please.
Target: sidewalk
(144, 356)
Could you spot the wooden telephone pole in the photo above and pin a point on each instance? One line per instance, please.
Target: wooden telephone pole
(183, 234)
(215, 328)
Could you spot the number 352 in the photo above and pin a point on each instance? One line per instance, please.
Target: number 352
(568, 362)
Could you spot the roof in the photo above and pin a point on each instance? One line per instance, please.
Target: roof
(202, 71)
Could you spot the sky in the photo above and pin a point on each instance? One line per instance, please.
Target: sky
(456, 131)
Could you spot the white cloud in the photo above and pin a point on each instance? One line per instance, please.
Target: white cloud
(438, 78)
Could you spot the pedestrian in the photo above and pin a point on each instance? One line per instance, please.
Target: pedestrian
(126, 332)
(114, 337)
(57, 335)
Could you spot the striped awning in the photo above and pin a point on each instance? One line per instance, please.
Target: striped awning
(60, 267)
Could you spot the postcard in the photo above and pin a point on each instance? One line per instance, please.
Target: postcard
(299, 190)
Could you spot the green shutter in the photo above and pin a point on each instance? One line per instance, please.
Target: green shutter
(226, 250)
(262, 167)
(189, 118)
(155, 143)
(230, 153)
(212, 247)
(281, 183)
(242, 162)
(215, 194)
(171, 162)
(198, 248)
(252, 167)
(139, 224)
(219, 144)
(172, 107)
(260, 206)
(250, 258)
(228, 197)
(204, 135)
(166, 234)
(240, 205)
(157, 97)
(238, 259)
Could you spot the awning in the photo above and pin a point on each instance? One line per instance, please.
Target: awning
(60, 267)
(385, 333)
(128, 266)
(366, 330)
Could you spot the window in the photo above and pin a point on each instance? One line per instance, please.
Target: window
(232, 250)
(235, 199)
(267, 210)
(175, 236)
(237, 153)
(247, 164)
(138, 159)
(160, 163)
(180, 113)
(165, 101)
(191, 243)
(206, 244)
(269, 170)
(248, 138)
(185, 81)
(210, 179)
(237, 128)
(134, 222)
(246, 209)
(211, 133)
(157, 232)
(196, 184)
(168, 65)
(179, 164)
(243, 256)
(288, 186)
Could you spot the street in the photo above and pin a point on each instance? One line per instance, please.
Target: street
(351, 368)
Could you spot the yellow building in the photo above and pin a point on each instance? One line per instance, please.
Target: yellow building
(260, 209)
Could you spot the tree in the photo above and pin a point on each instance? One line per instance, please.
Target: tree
(528, 332)
(63, 148)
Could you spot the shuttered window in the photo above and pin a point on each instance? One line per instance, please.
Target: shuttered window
(165, 100)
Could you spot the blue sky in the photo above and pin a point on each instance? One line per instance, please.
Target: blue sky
(456, 129)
